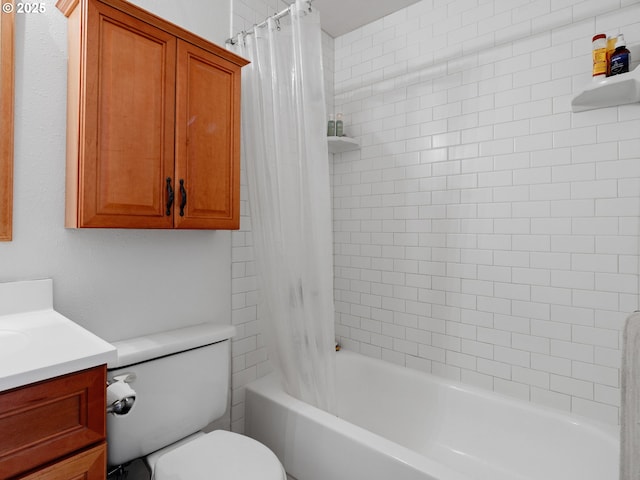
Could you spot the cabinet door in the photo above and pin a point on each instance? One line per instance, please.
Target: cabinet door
(44, 421)
(127, 127)
(88, 465)
(207, 140)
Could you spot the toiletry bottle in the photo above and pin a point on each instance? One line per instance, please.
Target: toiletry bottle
(620, 57)
(339, 125)
(331, 126)
(599, 45)
(611, 46)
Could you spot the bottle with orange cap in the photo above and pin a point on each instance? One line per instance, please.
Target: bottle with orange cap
(599, 46)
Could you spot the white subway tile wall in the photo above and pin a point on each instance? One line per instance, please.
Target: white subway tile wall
(484, 232)
(249, 354)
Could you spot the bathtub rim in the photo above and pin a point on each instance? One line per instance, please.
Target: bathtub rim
(269, 388)
(608, 431)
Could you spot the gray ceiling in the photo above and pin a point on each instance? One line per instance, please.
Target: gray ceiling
(342, 16)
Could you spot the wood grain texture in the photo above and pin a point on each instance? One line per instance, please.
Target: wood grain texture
(207, 139)
(174, 30)
(127, 123)
(45, 421)
(66, 6)
(149, 101)
(88, 465)
(73, 120)
(6, 123)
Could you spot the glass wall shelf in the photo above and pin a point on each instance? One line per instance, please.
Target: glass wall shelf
(342, 144)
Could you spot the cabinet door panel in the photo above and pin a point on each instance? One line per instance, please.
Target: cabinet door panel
(88, 465)
(128, 122)
(207, 139)
(50, 419)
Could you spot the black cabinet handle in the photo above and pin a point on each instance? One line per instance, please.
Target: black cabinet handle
(183, 194)
(170, 196)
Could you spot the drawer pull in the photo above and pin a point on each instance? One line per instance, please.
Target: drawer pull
(170, 196)
(183, 194)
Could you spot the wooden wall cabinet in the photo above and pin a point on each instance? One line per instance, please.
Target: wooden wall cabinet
(55, 429)
(153, 122)
(6, 122)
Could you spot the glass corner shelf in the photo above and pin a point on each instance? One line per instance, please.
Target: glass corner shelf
(342, 144)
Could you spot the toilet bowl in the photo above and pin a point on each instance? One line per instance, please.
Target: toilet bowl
(220, 455)
(177, 383)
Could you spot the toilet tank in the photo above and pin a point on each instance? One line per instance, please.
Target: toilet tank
(181, 379)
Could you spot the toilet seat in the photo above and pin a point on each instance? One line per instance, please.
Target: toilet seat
(221, 455)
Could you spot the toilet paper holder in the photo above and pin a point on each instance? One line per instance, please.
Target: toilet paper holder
(121, 407)
(120, 396)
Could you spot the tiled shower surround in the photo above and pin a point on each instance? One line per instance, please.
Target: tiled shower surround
(483, 232)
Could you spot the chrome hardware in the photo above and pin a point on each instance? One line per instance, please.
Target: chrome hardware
(118, 473)
(121, 407)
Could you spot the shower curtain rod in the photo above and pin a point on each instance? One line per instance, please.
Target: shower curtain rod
(277, 16)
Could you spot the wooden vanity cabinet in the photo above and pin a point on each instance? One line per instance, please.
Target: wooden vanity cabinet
(87, 465)
(55, 429)
(153, 122)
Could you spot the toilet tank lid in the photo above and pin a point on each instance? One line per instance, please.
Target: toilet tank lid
(155, 345)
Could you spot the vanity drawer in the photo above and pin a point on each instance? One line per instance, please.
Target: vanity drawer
(88, 465)
(44, 421)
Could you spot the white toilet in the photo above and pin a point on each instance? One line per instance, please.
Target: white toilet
(181, 381)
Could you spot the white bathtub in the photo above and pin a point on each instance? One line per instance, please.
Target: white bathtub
(398, 424)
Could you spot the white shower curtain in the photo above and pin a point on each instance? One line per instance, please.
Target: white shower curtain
(284, 148)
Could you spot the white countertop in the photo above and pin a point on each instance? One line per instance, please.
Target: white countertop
(36, 342)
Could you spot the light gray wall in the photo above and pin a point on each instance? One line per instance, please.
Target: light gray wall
(116, 283)
(209, 19)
